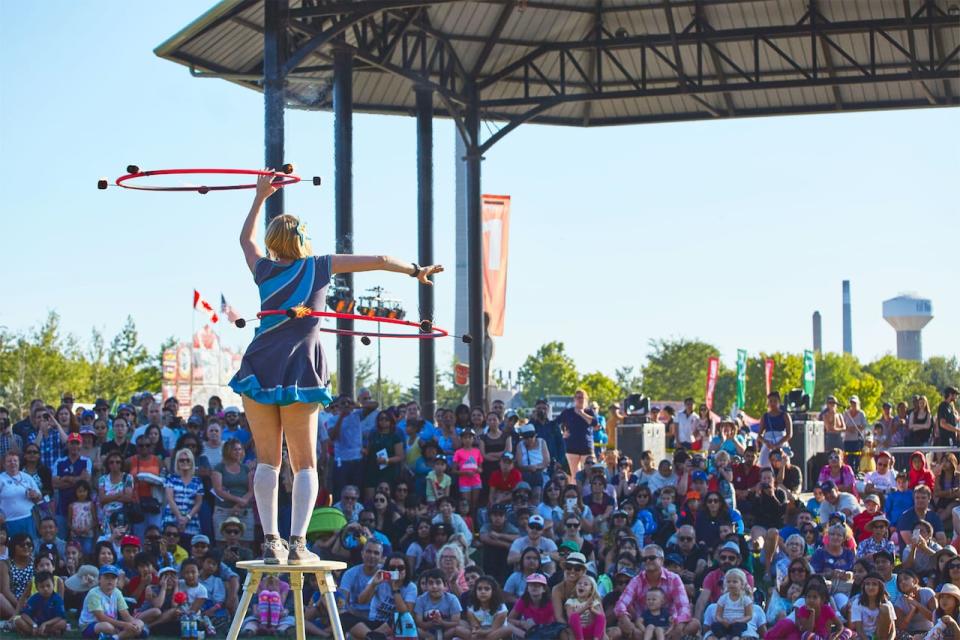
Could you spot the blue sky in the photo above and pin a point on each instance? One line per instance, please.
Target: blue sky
(733, 232)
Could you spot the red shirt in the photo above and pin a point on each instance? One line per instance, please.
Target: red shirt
(134, 582)
(498, 482)
(745, 477)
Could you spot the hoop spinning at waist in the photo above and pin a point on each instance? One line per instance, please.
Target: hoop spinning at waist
(427, 330)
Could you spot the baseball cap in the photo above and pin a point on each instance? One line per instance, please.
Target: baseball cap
(132, 541)
(570, 546)
(537, 578)
(510, 413)
(231, 409)
(884, 554)
(441, 458)
(625, 571)
(872, 498)
(507, 455)
(87, 414)
(125, 407)
(730, 546)
(699, 476)
(109, 570)
(523, 485)
(74, 437)
(672, 558)
(619, 513)
(195, 420)
(87, 430)
(832, 399)
(839, 515)
(535, 521)
(233, 520)
(887, 405)
(527, 429)
(166, 570)
(498, 508)
(118, 519)
(827, 485)
(199, 539)
(468, 432)
(693, 495)
(948, 390)
(100, 403)
(576, 559)
(855, 398)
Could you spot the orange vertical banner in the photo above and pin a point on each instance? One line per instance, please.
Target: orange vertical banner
(495, 215)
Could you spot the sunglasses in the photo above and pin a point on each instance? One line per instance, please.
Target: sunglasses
(954, 566)
(349, 498)
(171, 534)
(398, 568)
(577, 568)
(231, 532)
(685, 538)
(798, 570)
(572, 525)
(650, 558)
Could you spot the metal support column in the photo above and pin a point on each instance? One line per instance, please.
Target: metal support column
(343, 197)
(274, 54)
(475, 252)
(428, 363)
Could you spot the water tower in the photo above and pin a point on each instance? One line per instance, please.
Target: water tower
(908, 315)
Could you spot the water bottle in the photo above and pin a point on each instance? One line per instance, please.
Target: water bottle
(184, 626)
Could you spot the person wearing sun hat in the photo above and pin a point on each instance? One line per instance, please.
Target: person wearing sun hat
(878, 529)
(947, 614)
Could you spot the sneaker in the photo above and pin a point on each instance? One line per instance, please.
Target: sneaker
(299, 554)
(275, 550)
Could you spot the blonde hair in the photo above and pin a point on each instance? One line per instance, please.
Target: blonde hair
(737, 573)
(189, 455)
(594, 597)
(286, 238)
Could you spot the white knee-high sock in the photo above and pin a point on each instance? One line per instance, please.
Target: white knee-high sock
(266, 482)
(306, 484)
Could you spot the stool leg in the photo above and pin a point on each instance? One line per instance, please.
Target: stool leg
(249, 588)
(329, 588)
(296, 585)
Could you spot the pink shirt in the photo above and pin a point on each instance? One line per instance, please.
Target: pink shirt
(468, 461)
(540, 615)
(634, 596)
(822, 625)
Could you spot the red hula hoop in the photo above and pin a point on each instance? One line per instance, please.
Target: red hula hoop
(286, 179)
(435, 331)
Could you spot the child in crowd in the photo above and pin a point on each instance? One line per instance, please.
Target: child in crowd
(463, 508)
(262, 620)
(656, 618)
(146, 577)
(533, 608)
(487, 613)
(467, 461)
(437, 611)
(196, 593)
(438, 483)
(585, 611)
(82, 518)
(216, 589)
(44, 615)
(871, 613)
(946, 615)
(105, 614)
(43, 564)
(157, 609)
(734, 608)
(813, 618)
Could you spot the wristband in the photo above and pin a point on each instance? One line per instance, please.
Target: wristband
(416, 270)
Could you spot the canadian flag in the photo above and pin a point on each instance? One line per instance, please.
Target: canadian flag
(199, 304)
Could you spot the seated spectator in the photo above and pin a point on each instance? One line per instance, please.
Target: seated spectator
(632, 602)
(878, 529)
(838, 472)
(437, 611)
(884, 479)
(871, 504)
(497, 536)
(834, 561)
(920, 473)
(835, 501)
(921, 511)
(729, 557)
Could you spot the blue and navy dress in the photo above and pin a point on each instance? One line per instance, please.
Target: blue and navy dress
(285, 362)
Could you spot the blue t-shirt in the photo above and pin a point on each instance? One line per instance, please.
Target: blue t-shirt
(348, 446)
(240, 434)
(448, 605)
(427, 432)
(382, 605)
(41, 609)
(354, 581)
(909, 520)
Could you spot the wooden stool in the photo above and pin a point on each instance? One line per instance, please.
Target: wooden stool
(322, 569)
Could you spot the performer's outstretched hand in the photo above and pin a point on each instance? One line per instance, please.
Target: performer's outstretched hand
(426, 272)
(265, 187)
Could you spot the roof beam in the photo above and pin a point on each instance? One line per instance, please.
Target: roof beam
(492, 39)
(815, 15)
(593, 58)
(912, 44)
(715, 59)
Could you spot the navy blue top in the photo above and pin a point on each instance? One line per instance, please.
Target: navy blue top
(579, 438)
(41, 609)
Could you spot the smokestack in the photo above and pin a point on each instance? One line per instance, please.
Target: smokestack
(817, 333)
(847, 328)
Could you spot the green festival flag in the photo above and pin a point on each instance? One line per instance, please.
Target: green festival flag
(809, 373)
(741, 378)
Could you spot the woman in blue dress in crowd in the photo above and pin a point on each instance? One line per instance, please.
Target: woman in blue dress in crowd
(283, 375)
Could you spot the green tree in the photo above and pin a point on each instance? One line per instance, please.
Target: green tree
(677, 369)
(549, 371)
(940, 372)
(900, 380)
(628, 379)
(602, 389)
(841, 375)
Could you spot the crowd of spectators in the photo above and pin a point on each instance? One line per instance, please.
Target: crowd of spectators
(485, 524)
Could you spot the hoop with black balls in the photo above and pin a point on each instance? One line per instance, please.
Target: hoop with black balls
(426, 330)
(282, 178)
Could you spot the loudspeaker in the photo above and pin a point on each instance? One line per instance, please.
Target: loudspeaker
(807, 441)
(634, 439)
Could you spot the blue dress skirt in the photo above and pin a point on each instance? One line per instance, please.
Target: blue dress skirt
(285, 362)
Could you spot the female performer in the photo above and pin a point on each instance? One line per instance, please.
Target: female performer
(283, 375)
